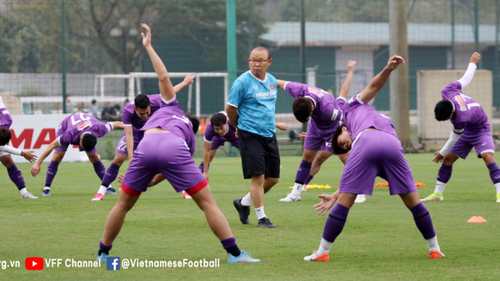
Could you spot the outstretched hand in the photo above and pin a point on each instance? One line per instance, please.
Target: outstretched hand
(350, 65)
(28, 155)
(475, 58)
(302, 135)
(394, 62)
(189, 79)
(327, 202)
(437, 157)
(35, 169)
(146, 39)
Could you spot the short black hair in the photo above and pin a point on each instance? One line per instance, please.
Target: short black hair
(443, 110)
(260, 48)
(302, 109)
(5, 136)
(335, 145)
(142, 101)
(195, 121)
(94, 101)
(218, 119)
(88, 142)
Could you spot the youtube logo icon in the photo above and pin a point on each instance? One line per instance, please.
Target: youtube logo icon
(34, 263)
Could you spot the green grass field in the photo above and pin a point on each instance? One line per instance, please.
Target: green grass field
(380, 240)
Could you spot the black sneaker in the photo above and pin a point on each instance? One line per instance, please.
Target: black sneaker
(244, 211)
(266, 223)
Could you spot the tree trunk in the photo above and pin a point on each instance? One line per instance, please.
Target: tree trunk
(399, 82)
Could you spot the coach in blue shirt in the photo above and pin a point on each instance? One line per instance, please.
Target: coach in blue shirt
(250, 107)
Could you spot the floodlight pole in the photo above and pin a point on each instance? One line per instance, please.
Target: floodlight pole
(63, 54)
(231, 40)
(303, 48)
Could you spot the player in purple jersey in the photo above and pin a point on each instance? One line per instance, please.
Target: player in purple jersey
(374, 151)
(77, 129)
(134, 115)
(15, 175)
(324, 111)
(167, 148)
(219, 131)
(470, 129)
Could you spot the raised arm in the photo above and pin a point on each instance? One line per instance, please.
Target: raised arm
(166, 88)
(188, 80)
(36, 167)
(347, 83)
(471, 69)
(379, 81)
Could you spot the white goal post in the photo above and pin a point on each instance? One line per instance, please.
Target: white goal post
(134, 84)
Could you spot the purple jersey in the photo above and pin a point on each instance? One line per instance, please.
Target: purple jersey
(210, 132)
(76, 124)
(326, 114)
(173, 119)
(130, 117)
(469, 116)
(5, 118)
(359, 116)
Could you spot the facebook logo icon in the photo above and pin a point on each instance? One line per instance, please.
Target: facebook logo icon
(113, 263)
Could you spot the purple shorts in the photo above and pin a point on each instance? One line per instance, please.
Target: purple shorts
(314, 142)
(219, 141)
(122, 146)
(376, 153)
(482, 142)
(64, 148)
(164, 153)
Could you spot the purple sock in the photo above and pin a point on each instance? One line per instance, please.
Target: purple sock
(494, 172)
(309, 179)
(17, 177)
(423, 220)
(444, 173)
(104, 249)
(335, 222)
(303, 172)
(110, 174)
(51, 172)
(231, 247)
(202, 167)
(99, 169)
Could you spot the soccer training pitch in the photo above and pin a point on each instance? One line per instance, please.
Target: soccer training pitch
(380, 240)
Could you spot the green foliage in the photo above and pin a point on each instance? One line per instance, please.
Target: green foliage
(19, 47)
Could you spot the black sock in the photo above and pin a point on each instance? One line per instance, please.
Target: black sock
(234, 250)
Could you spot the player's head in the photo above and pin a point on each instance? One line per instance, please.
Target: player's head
(94, 102)
(341, 141)
(195, 122)
(259, 60)
(5, 136)
(302, 109)
(142, 106)
(88, 142)
(219, 123)
(443, 110)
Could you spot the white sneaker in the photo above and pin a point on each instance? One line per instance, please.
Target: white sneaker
(290, 198)
(28, 195)
(361, 198)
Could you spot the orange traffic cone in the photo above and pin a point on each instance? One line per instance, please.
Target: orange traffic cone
(476, 219)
